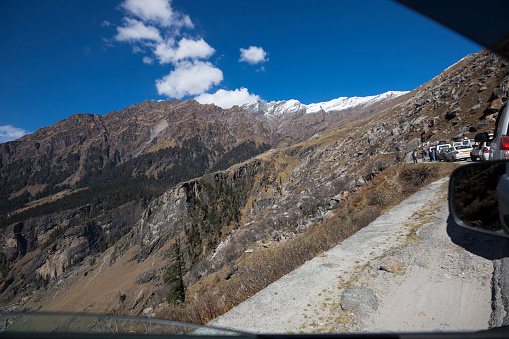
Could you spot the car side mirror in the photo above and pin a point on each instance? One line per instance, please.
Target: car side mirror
(479, 197)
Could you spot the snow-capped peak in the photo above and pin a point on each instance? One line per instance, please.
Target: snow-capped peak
(278, 108)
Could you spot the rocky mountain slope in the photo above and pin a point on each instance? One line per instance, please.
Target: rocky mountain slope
(81, 148)
(89, 169)
(149, 142)
(203, 231)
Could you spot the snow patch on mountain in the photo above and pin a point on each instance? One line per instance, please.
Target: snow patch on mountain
(279, 108)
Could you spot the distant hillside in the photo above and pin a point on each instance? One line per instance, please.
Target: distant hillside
(130, 155)
(290, 121)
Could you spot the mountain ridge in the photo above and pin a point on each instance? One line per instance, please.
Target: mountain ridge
(278, 108)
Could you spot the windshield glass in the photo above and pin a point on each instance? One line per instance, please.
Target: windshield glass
(258, 166)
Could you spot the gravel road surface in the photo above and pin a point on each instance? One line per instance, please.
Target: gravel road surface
(409, 270)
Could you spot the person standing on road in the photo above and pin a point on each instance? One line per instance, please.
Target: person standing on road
(430, 153)
(398, 159)
(423, 154)
(414, 156)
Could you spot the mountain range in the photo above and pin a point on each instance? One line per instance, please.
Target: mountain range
(166, 203)
(187, 140)
(280, 108)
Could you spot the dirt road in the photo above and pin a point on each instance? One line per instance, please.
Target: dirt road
(409, 270)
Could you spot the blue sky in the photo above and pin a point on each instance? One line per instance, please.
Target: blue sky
(95, 56)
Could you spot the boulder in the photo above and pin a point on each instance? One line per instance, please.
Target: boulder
(452, 114)
(360, 300)
(495, 105)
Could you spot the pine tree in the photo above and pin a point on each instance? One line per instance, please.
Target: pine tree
(173, 278)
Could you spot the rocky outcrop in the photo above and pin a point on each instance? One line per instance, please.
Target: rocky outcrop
(62, 155)
(187, 213)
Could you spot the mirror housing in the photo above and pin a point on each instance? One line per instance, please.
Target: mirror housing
(479, 197)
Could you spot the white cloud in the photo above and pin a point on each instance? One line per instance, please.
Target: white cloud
(189, 78)
(108, 42)
(154, 27)
(194, 49)
(106, 23)
(134, 30)
(9, 133)
(148, 60)
(228, 99)
(167, 52)
(253, 55)
(137, 49)
(158, 12)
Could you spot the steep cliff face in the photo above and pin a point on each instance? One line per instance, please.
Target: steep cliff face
(197, 213)
(40, 249)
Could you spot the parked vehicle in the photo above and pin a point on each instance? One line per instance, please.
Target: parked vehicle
(480, 151)
(485, 151)
(458, 153)
(441, 149)
(468, 142)
(475, 153)
(500, 145)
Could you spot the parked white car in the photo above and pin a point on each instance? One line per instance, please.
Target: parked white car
(481, 151)
(468, 142)
(458, 153)
(485, 151)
